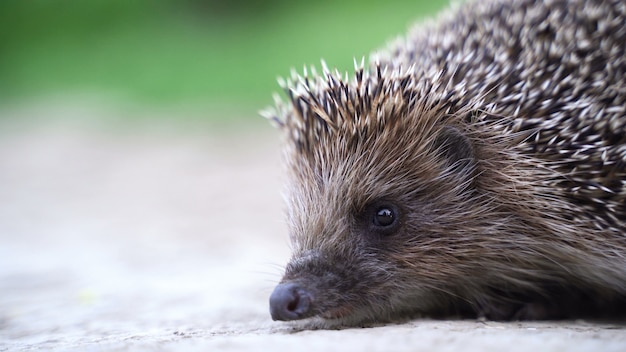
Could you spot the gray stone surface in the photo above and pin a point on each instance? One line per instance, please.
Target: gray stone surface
(160, 235)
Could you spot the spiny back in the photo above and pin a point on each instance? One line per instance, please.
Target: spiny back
(552, 71)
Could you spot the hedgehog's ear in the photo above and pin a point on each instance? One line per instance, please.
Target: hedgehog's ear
(457, 150)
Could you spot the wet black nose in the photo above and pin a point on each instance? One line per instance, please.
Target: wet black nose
(289, 302)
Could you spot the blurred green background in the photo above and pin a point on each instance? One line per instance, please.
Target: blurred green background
(211, 53)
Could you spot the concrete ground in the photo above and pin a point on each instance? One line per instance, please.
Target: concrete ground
(161, 235)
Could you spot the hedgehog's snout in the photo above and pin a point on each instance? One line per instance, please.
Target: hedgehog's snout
(290, 301)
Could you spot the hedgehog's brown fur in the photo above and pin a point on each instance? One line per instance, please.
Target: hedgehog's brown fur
(498, 137)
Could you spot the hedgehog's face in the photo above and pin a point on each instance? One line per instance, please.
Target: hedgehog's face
(365, 225)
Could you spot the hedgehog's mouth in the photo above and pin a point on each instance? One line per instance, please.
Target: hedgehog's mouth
(337, 313)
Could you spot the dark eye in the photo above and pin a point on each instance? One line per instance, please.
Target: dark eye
(384, 217)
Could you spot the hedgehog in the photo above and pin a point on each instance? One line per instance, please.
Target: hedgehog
(475, 167)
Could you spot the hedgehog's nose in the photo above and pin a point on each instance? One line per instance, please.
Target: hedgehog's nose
(289, 302)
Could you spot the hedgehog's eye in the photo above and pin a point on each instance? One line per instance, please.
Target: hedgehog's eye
(384, 217)
(379, 219)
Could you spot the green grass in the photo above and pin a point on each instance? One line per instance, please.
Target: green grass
(185, 52)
